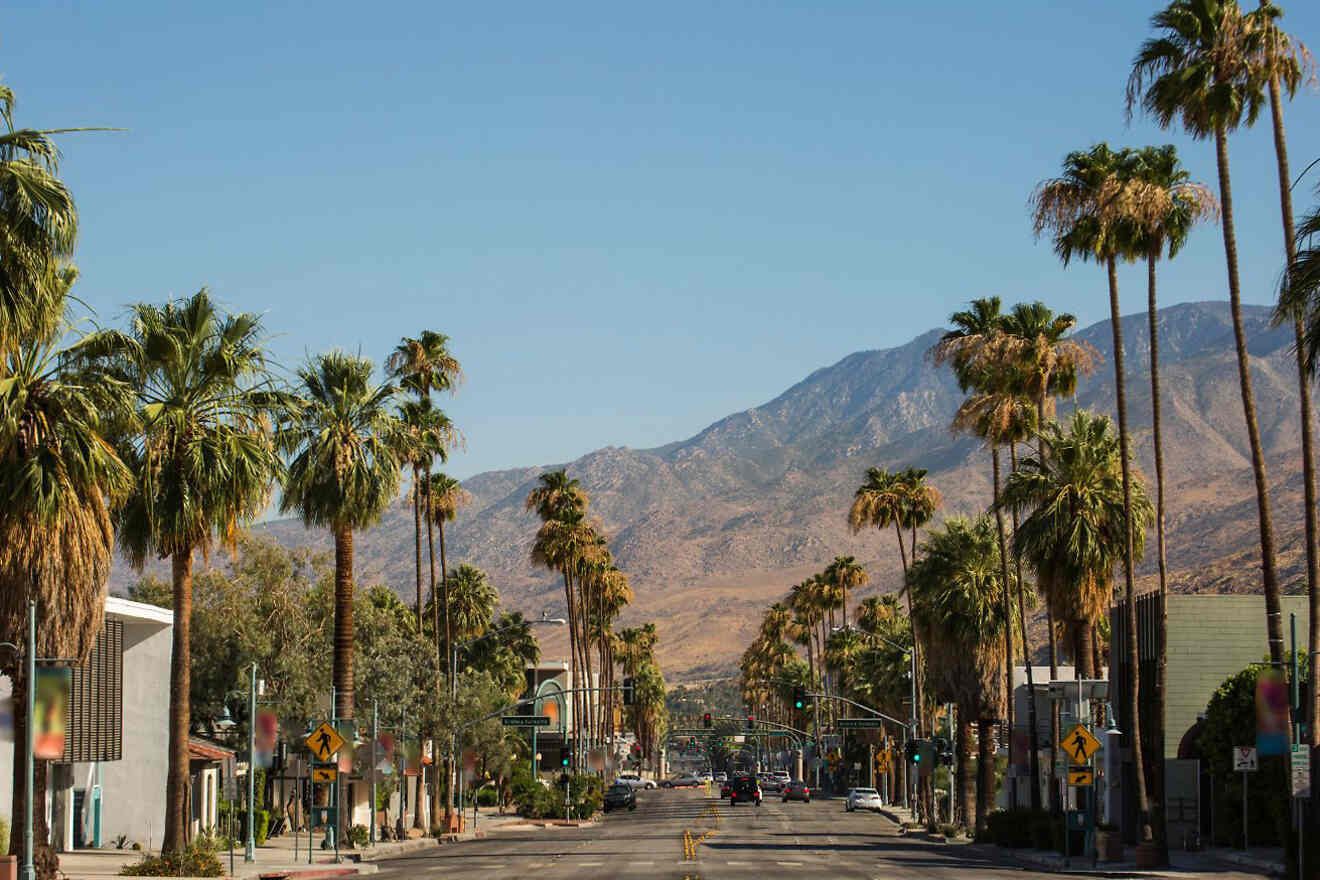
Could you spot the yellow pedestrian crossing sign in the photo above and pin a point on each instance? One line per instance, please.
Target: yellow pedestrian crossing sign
(1080, 745)
(324, 741)
(882, 762)
(1081, 776)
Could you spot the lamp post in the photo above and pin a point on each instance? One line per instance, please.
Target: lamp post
(453, 694)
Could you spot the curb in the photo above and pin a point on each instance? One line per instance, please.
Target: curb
(398, 848)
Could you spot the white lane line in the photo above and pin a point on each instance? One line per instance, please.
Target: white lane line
(590, 864)
(640, 864)
(738, 864)
(789, 864)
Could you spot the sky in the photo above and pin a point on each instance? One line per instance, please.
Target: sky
(631, 219)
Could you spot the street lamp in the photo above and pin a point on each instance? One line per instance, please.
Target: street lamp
(453, 690)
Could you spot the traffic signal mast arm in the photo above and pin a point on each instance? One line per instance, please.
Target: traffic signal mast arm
(862, 706)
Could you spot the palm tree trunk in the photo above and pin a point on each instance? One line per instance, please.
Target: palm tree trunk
(176, 774)
(985, 770)
(441, 662)
(343, 660)
(916, 652)
(1156, 781)
(1308, 447)
(1007, 603)
(1132, 720)
(1033, 758)
(1269, 578)
(1053, 639)
(1083, 646)
(574, 675)
(417, 527)
(963, 764)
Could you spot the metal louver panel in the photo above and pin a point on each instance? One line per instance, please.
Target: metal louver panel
(96, 701)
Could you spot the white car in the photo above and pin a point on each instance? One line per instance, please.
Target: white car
(863, 799)
(635, 781)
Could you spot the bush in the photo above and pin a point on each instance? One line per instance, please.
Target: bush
(488, 797)
(197, 860)
(358, 835)
(1042, 832)
(535, 801)
(1015, 829)
(259, 829)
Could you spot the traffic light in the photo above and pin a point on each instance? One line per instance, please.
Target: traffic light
(799, 698)
(943, 754)
(629, 691)
(564, 755)
(706, 720)
(912, 751)
(751, 723)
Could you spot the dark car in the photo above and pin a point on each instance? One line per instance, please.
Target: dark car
(620, 796)
(797, 790)
(744, 789)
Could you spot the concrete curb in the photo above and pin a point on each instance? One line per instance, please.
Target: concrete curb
(1242, 860)
(396, 848)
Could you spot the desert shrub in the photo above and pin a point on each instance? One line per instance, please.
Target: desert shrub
(358, 835)
(198, 859)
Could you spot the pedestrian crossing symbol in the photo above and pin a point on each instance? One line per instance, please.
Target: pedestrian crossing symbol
(324, 741)
(1080, 745)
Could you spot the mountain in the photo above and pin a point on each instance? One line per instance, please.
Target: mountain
(713, 528)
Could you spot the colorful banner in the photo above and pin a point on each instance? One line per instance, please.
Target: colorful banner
(51, 698)
(1272, 723)
(264, 738)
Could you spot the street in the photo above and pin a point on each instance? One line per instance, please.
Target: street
(774, 840)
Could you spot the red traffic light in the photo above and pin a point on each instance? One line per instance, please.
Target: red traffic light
(706, 720)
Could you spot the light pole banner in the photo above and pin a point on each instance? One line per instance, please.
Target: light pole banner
(51, 709)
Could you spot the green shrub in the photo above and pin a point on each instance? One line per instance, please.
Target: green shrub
(488, 797)
(358, 835)
(197, 860)
(259, 828)
(1014, 829)
(1042, 832)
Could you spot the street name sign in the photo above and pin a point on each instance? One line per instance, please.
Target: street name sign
(1300, 770)
(1080, 745)
(1244, 759)
(1081, 776)
(324, 741)
(859, 723)
(525, 720)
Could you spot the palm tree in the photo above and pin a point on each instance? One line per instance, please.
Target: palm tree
(204, 459)
(427, 433)
(957, 589)
(472, 599)
(343, 475)
(445, 496)
(1073, 534)
(1187, 203)
(1201, 70)
(845, 572)
(1091, 211)
(61, 482)
(38, 228)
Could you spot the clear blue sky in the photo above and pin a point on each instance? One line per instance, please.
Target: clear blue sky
(631, 219)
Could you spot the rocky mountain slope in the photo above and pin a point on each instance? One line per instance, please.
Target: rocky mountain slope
(714, 527)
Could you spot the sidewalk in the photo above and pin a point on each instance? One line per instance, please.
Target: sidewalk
(286, 855)
(1266, 862)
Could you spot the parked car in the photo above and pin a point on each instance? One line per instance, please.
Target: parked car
(635, 780)
(769, 782)
(797, 790)
(683, 780)
(863, 799)
(744, 789)
(620, 796)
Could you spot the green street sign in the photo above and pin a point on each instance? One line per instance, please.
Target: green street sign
(859, 723)
(525, 720)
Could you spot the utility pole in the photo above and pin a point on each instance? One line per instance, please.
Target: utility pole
(375, 735)
(249, 846)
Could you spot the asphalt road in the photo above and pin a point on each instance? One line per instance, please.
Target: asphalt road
(774, 840)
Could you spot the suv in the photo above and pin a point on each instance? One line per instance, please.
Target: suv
(863, 799)
(620, 796)
(744, 788)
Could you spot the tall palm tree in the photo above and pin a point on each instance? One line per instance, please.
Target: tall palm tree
(1187, 203)
(1200, 70)
(61, 482)
(472, 600)
(343, 475)
(957, 592)
(1091, 211)
(204, 458)
(445, 496)
(426, 434)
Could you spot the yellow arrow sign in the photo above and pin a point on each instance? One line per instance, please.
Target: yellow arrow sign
(324, 741)
(1081, 776)
(1079, 745)
(323, 774)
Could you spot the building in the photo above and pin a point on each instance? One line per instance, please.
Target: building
(1210, 638)
(1016, 789)
(551, 681)
(111, 779)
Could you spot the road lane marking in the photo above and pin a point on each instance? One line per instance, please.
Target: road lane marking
(590, 864)
(789, 864)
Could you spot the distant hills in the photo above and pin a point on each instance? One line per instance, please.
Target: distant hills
(714, 527)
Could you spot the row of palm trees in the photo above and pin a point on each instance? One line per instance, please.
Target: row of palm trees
(595, 592)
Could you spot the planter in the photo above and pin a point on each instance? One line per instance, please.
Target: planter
(1109, 846)
(1148, 856)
